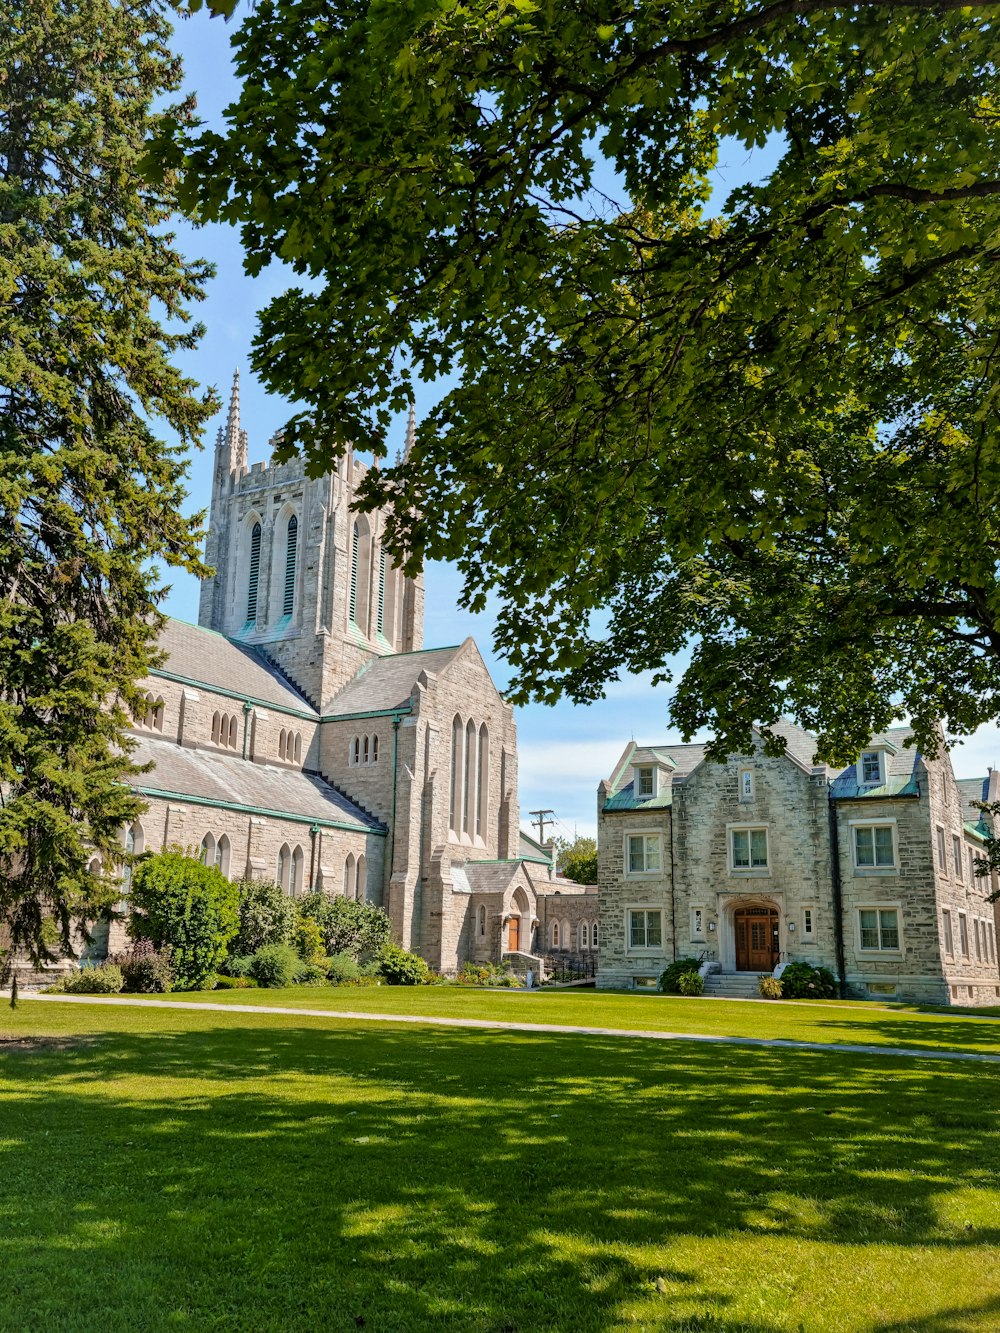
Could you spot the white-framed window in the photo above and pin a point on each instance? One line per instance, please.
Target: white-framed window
(963, 934)
(748, 849)
(697, 921)
(977, 936)
(956, 851)
(972, 867)
(947, 932)
(746, 784)
(871, 768)
(645, 928)
(874, 846)
(584, 935)
(942, 860)
(646, 781)
(878, 929)
(554, 934)
(808, 923)
(643, 854)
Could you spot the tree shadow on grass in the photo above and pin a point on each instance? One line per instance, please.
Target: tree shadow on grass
(234, 1172)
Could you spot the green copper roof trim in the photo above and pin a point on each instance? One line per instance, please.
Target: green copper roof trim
(236, 694)
(401, 711)
(184, 799)
(977, 831)
(506, 861)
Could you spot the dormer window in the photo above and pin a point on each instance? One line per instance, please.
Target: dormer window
(871, 768)
(646, 784)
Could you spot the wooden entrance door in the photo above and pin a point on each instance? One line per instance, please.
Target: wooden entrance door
(756, 939)
(514, 935)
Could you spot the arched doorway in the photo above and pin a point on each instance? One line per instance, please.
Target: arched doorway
(756, 935)
(519, 925)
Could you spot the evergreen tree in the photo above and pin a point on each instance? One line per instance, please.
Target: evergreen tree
(93, 304)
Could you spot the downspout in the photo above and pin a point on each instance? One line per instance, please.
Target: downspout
(247, 711)
(312, 856)
(395, 752)
(673, 900)
(838, 901)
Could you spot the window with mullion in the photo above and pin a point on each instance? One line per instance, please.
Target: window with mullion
(749, 847)
(873, 847)
(879, 928)
(645, 929)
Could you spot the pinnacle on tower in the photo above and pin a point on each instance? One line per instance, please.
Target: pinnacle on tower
(236, 438)
(411, 432)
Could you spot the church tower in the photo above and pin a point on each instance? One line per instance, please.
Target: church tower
(298, 574)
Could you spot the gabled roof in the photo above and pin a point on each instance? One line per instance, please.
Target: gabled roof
(485, 876)
(204, 777)
(198, 656)
(900, 764)
(386, 684)
(972, 789)
(530, 849)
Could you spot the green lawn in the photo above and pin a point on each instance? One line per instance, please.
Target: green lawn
(815, 1020)
(165, 1168)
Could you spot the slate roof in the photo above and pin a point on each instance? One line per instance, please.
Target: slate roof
(222, 779)
(488, 876)
(386, 683)
(207, 658)
(972, 789)
(900, 761)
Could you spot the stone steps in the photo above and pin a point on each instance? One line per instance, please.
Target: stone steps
(733, 985)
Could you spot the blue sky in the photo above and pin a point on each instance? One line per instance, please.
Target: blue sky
(564, 751)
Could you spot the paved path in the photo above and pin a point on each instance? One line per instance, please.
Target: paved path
(429, 1020)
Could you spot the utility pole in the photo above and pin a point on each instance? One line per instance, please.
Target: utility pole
(539, 821)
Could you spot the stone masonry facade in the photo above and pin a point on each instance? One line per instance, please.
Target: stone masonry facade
(301, 733)
(759, 861)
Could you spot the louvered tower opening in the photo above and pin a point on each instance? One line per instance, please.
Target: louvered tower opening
(254, 574)
(354, 574)
(293, 541)
(381, 592)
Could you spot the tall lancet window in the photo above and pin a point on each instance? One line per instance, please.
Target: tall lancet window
(254, 574)
(291, 549)
(381, 592)
(356, 542)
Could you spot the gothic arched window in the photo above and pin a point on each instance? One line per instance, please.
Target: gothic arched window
(374, 749)
(254, 582)
(482, 920)
(284, 866)
(364, 750)
(350, 880)
(469, 789)
(291, 549)
(295, 877)
(457, 733)
(222, 851)
(352, 610)
(362, 878)
(298, 747)
(281, 744)
(483, 782)
(207, 853)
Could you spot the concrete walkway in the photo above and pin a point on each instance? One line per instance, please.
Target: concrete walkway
(430, 1020)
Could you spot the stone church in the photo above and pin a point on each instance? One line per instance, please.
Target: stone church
(301, 732)
(761, 861)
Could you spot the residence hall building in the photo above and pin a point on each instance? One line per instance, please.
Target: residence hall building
(760, 861)
(302, 733)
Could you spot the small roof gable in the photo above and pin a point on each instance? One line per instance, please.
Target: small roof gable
(203, 657)
(900, 763)
(488, 876)
(204, 777)
(387, 683)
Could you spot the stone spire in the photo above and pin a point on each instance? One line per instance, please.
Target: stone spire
(236, 439)
(411, 432)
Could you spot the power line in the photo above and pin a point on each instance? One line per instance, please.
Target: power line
(540, 821)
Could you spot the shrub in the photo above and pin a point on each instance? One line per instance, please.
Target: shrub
(177, 901)
(487, 974)
(399, 968)
(308, 940)
(670, 976)
(769, 988)
(802, 981)
(104, 980)
(146, 969)
(267, 916)
(343, 969)
(275, 966)
(691, 983)
(346, 925)
(240, 965)
(311, 974)
(235, 983)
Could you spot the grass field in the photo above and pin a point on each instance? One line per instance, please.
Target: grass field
(165, 1168)
(815, 1020)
